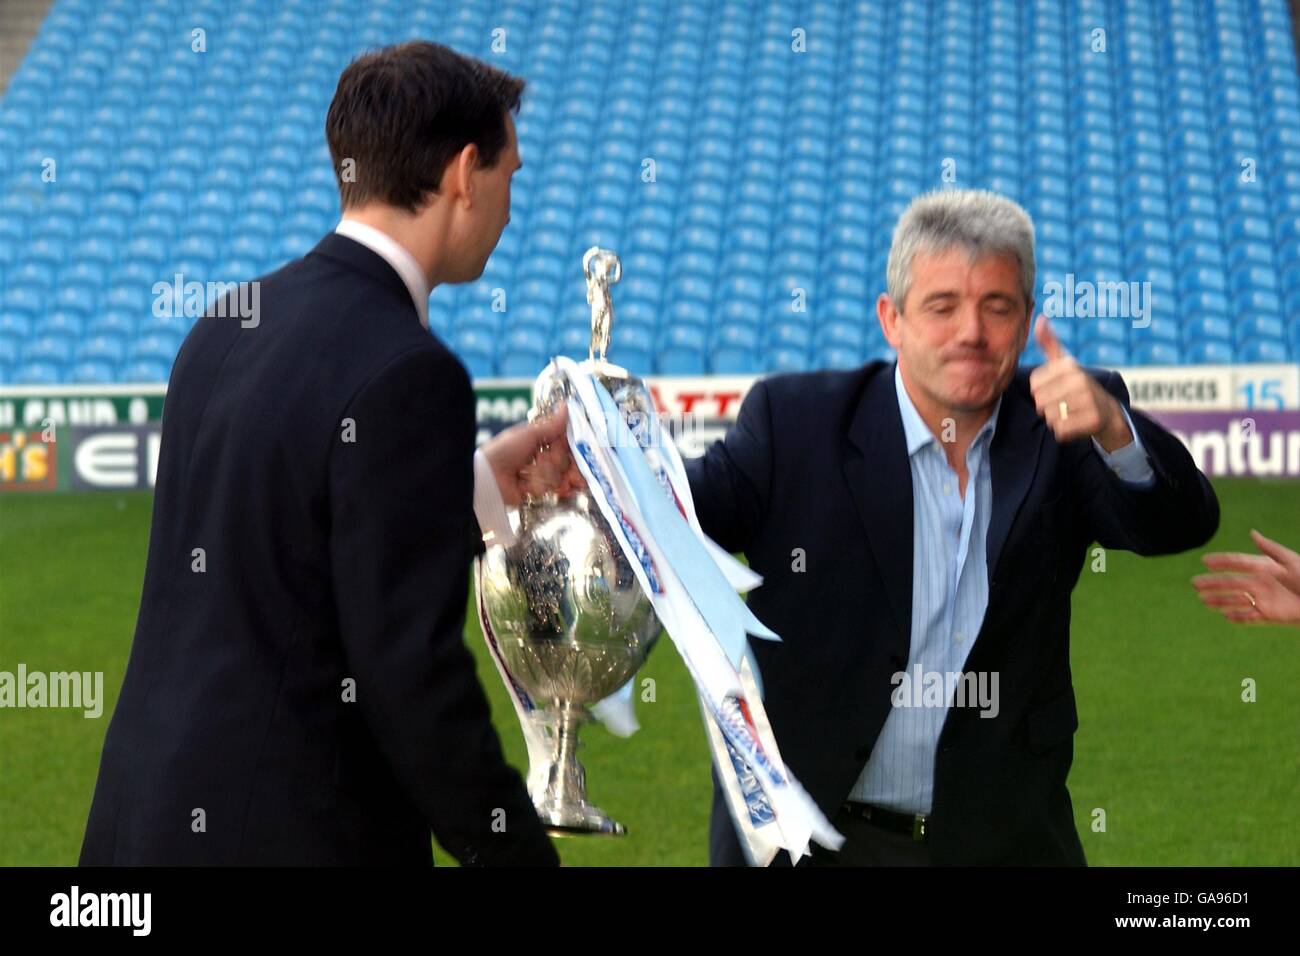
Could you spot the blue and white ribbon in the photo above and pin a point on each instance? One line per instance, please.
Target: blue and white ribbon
(637, 481)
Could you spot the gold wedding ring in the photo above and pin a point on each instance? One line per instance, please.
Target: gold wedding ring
(1065, 410)
(1251, 598)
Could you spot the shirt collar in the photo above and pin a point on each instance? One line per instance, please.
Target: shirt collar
(915, 430)
(392, 252)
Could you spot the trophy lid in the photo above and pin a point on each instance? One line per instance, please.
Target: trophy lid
(601, 268)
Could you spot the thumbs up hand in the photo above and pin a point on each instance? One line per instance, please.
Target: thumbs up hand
(1046, 338)
(1072, 402)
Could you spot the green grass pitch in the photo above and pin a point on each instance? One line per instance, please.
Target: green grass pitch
(1185, 771)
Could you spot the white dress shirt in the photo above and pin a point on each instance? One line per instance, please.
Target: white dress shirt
(489, 506)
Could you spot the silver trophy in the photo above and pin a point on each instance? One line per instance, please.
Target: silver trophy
(569, 619)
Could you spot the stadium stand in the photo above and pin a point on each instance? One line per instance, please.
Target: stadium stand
(746, 159)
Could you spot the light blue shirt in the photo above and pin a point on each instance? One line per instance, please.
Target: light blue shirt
(950, 593)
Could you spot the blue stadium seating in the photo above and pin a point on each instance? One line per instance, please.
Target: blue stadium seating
(1172, 158)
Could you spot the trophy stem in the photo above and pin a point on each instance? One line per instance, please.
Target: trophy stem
(563, 806)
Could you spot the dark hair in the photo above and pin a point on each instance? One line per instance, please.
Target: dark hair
(401, 113)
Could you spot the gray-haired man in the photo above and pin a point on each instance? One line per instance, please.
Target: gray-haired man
(920, 526)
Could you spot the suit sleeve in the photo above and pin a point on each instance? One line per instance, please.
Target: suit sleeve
(1177, 511)
(731, 482)
(401, 501)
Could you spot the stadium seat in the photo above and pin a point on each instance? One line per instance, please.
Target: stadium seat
(1155, 352)
(38, 373)
(1263, 350)
(1209, 351)
(682, 351)
(1103, 354)
(144, 371)
(104, 348)
(91, 373)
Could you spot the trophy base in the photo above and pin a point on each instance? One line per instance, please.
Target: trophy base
(590, 821)
(562, 805)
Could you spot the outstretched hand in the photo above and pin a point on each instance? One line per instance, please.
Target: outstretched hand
(1253, 588)
(532, 458)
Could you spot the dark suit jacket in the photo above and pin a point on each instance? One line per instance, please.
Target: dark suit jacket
(818, 461)
(325, 561)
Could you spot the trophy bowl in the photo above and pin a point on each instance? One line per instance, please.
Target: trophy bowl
(572, 626)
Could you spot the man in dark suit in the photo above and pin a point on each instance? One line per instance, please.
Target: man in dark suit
(920, 527)
(299, 691)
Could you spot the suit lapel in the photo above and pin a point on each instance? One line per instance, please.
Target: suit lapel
(1013, 461)
(880, 480)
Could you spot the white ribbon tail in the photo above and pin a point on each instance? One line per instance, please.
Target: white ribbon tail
(618, 711)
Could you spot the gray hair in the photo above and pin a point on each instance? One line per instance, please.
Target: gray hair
(976, 220)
